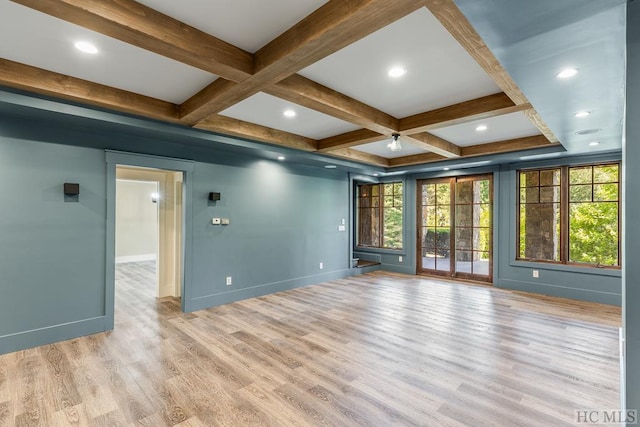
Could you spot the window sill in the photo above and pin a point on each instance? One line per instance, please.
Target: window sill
(379, 250)
(612, 272)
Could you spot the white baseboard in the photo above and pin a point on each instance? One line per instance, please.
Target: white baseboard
(135, 258)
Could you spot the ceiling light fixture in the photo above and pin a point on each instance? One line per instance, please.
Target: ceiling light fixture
(481, 128)
(281, 158)
(86, 47)
(376, 174)
(581, 114)
(567, 73)
(594, 144)
(395, 145)
(330, 166)
(396, 72)
(445, 169)
(289, 113)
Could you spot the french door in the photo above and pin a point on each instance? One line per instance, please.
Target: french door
(455, 230)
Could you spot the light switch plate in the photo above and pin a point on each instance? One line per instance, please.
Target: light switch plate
(215, 221)
(224, 221)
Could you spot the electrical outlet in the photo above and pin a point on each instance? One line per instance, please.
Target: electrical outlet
(535, 273)
(229, 281)
(321, 265)
(400, 258)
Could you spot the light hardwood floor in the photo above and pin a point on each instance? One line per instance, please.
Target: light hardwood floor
(379, 349)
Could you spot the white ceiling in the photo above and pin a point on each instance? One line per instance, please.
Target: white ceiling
(247, 24)
(267, 110)
(439, 71)
(39, 40)
(500, 128)
(532, 40)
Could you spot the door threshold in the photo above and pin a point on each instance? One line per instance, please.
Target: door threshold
(457, 279)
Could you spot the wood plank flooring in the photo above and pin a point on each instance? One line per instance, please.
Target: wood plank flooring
(373, 350)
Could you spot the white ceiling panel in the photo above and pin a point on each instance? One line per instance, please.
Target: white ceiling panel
(439, 71)
(267, 110)
(379, 148)
(501, 128)
(117, 64)
(247, 24)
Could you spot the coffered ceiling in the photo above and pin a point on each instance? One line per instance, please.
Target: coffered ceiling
(235, 66)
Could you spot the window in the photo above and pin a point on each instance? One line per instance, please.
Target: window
(570, 215)
(379, 214)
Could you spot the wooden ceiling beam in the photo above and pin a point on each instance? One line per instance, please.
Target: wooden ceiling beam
(139, 25)
(415, 159)
(331, 27)
(540, 124)
(25, 77)
(360, 156)
(349, 139)
(336, 24)
(459, 27)
(305, 92)
(434, 144)
(517, 144)
(463, 112)
(251, 131)
(507, 146)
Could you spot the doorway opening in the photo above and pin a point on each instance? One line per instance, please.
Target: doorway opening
(455, 228)
(148, 237)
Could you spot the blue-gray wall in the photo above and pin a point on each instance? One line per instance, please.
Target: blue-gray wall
(52, 250)
(57, 274)
(583, 283)
(631, 182)
(283, 224)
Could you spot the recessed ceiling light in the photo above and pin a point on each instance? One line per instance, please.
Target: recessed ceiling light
(566, 73)
(588, 131)
(376, 174)
(481, 128)
(594, 144)
(330, 166)
(86, 47)
(397, 72)
(581, 114)
(445, 169)
(289, 113)
(281, 158)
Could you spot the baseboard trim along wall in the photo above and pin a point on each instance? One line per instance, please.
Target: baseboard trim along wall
(51, 334)
(206, 301)
(562, 291)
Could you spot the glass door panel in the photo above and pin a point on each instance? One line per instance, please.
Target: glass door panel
(434, 240)
(454, 227)
(473, 226)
